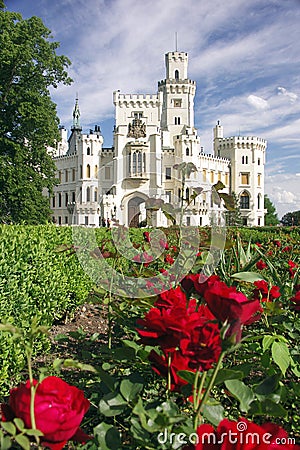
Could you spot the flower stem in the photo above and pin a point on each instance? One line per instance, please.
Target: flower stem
(210, 385)
(169, 372)
(197, 400)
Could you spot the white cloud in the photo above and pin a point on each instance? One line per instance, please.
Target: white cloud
(257, 102)
(291, 95)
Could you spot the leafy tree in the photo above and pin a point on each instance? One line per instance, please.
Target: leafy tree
(28, 118)
(233, 217)
(271, 217)
(291, 218)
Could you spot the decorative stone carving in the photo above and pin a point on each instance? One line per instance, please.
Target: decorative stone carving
(136, 129)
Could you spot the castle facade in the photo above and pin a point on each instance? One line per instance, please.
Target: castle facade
(153, 134)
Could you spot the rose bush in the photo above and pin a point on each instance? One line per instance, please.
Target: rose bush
(58, 407)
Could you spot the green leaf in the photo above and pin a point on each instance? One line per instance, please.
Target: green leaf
(267, 407)
(250, 277)
(228, 374)
(229, 201)
(107, 436)
(9, 428)
(267, 342)
(214, 413)
(268, 385)
(5, 442)
(187, 375)
(112, 404)
(131, 387)
(32, 432)
(281, 355)
(23, 441)
(241, 392)
(19, 424)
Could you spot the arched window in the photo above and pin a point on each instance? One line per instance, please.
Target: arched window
(53, 201)
(73, 197)
(80, 171)
(88, 151)
(95, 195)
(258, 201)
(66, 199)
(187, 151)
(96, 171)
(88, 194)
(187, 194)
(88, 171)
(177, 120)
(243, 159)
(59, 200)
(176, 74)
(244, 200)
(139, 155)
(134, 162)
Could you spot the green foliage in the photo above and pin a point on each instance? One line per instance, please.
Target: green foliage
(28, 119)
(291, 219)
(271, 217)
(233, 217)
(35, 281)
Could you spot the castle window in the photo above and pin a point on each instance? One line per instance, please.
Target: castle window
(73, 175)
(95, 195)
(177, 103)
(66, 199)
(176, 74)
(204, 175)
(259, 179)
(59, 220)
(226, 179)
(212, 176)
(137, 115)
(245, 178)
(88, 151)
(59, 200)
(80, 171)
(187, 151)
(187, 194)
(258, 201)
(88, 194)
(219, 176)
(66, 176)
(88, 171)
(73, 197)
(53, 201)
(244, 159)
(168, 173)
(60, 176)
(66, 220)
(177, 120)
(107, 173)
(96, 171)
(258, 162)
(169, 196)
(86, 220)
(244, 201)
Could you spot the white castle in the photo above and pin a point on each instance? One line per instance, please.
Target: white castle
(152, 134)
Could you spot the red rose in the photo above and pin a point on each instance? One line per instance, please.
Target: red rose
(277, 243)
(198, 282)
(292, 268)
(202, 346)
(178, 362)
(170, 298)
(169, 259)
(146, 235)
(260, 265)
(164, 327)
(231, 306)
(296, 300)
(164, 244)
(264, 293)
(242, 435)
(59, 409)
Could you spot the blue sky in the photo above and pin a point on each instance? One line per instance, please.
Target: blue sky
(244, 56)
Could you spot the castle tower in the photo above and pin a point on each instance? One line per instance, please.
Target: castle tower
(178, 94)
(247, 155)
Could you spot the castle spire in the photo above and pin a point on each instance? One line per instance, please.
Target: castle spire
(76, 115)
